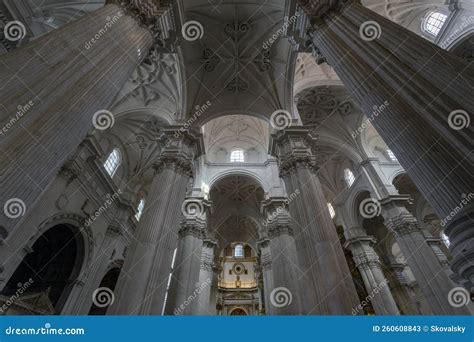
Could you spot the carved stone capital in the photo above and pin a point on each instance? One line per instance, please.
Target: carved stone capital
(311, 47)
(293, 148)
(207, 265)
(179, 150)
(291, 163)
(360, 240)
(402, 225)
(277, 229)
(367, 262)
(70, 171)
(192, 227)
(114, 230)
(263, 243)
(179, 164)
(154, 15)
(210, 243)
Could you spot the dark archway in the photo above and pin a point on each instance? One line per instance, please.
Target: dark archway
(54, 263)
(238, 312)
(109, 281)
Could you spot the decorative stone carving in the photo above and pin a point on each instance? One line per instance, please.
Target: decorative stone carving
(207, 257)
(62, 202)
(180, 164)
(70, 170)
(154, 82)
(150, 14)
(192, 226)
(316, 104)
(292, 163)
(402, 225)
(276, 229)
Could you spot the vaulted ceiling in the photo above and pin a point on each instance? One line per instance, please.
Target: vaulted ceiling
(230, 59)
(236, 131)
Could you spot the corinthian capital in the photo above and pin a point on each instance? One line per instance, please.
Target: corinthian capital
(155, 15)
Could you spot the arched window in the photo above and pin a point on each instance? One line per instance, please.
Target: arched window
(113, 162)
(332, 212)
(349, 177)
(433, 22)
(238, 251)
(237, 156)
(445, 239)
(140, 207)
(391, 155)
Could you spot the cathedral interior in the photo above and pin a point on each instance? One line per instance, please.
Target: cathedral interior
(236, 157)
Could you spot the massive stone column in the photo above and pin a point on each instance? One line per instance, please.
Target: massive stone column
(405, 291)
(52, 88)
(368, 263)
(433, 280)
(325, 278)
(285, 296)
(186, 295)
(207, 279)
(265, 270)
(425, 117)
(143, 281)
